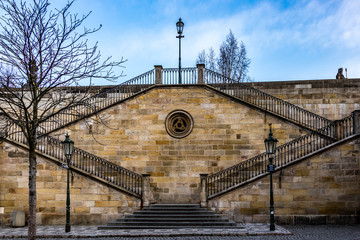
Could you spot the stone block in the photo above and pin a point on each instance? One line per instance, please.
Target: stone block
(81, 210)
(18, 219)
(249, 211)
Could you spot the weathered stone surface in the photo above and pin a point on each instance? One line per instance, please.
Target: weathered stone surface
(51, 195)
(213, 145)
(332, 198)
(225, 133)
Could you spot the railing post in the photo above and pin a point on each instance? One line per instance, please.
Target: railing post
(145, 198)
(203, 193)
(356, 121)
(158, 74)
(200, 68)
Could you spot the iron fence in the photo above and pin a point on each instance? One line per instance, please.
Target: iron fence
(123, 178)
(171, 76)
(265, 101)
(104, 98)
(218, 182)
(292, 151)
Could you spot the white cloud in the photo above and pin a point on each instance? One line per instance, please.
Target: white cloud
(319, 28)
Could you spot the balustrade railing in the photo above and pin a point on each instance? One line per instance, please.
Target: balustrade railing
(292, 151)
(265, 101)
(123, 178)
(218, 182)
(171, 76)
(104, 98)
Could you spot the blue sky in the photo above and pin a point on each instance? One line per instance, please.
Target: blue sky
(285, 40)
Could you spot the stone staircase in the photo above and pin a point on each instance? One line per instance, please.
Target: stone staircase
(167, 216)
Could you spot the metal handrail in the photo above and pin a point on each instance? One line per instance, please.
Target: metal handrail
(265, 101)
(93, 165)
(229, 86)
(109, 97)
(171, 76)
(104, 98)
(123, 178)
(222, 181)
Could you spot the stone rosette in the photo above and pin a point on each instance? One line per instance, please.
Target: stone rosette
(179, 124)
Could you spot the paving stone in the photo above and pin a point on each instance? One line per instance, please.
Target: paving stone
(92, 231)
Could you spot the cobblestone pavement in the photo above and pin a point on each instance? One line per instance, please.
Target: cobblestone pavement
(92, 231)
(249, 232)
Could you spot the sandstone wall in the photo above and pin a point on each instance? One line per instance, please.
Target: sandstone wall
(134, 136)
(225, 133)
(323, 189)
(333, 99)
(91, 202)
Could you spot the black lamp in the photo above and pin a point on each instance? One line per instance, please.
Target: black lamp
(68, 147)
(180, 28)
(270, 145)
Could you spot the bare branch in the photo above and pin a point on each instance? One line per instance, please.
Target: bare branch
(42, 52)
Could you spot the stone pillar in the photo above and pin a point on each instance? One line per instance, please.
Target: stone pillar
(356, 121)
(200, 68)
(203, 193)
(158, 74)
(145, 190)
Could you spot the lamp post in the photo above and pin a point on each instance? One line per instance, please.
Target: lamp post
(179, 27)
(270, 145)
(68, 147)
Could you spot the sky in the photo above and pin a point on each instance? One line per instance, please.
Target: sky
(285, 40)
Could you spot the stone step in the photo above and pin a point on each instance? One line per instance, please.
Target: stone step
(173, 208)
(186, 206)
(106, 227)
(165, 216)
(185, 223)
(167, 212)
(172, 219)
(202, 216)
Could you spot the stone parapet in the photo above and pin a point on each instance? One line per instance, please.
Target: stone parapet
(330, 98)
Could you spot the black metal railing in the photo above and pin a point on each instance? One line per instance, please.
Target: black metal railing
(99, 101)
(94, 166)
(171, 76)
(265, 101)
(242, 91)
(115, 174)
(290, 152)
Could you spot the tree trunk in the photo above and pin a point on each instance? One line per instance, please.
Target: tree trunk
(32, 194)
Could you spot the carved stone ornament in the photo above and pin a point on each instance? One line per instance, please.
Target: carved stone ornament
(179, 124)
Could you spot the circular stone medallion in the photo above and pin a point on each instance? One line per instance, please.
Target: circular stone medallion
(179, 124)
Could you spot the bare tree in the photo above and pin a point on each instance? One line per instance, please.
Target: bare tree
(208, 59)
(42, 51)
(232, 61)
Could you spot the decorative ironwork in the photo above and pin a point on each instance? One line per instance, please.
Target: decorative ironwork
(97, 167)
(145, 81)
(253, 168)
(179, 124)
(265, 101)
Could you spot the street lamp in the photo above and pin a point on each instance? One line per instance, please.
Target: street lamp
(180, 28)
(68, 147)
(270, 145)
